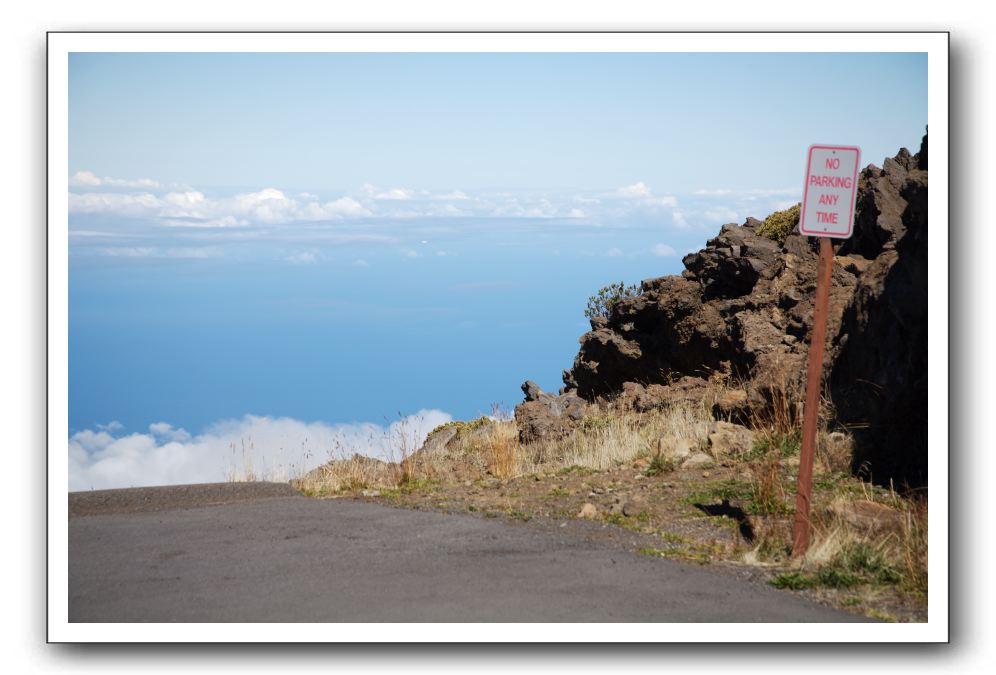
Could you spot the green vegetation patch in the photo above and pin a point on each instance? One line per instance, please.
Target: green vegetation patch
(625, 522)
(753, 499)
(576, 469)
(659, 465)
(703, 555)
(595, 422)
(779, 225)
(832, 481)
(462, 426)
(786, 444)
(411, 487)
(602, 302)
(858, 565)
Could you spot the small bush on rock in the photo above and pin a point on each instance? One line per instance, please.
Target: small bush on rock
(780, 224)
(601, 303)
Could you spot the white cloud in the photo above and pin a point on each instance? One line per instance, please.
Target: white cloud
(642, 194)
(165, 430)
(191, 208)
(185, 201)
(663, 250)
(614, 252)
(639, 189)
(666, 200)
(575, 213)
(347, 206)
(224, 221)
(129, 252)
(85, 178)
(304, 258)
(449, 210)
(360, 262)
(456, 196)
(155, 252)
(90, 179)
(146, 183)
(395, 194)
(275, 448)
(678, 218)
(136, 205)
(409, 253)
(721, 214)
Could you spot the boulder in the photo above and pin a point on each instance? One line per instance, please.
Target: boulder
(732, 262)
(545, 416)
(677, 449)
(437, 440)
(588, 511)
(627, 505)
(531, 390)
(696, 460)
(726, 439)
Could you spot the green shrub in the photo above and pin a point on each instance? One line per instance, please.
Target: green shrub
(794, 580)
(601, 303)
(659, 465)
(780, 224)
(787, 444)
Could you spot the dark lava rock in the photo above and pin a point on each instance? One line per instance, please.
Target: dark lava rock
(545, 416)
(743, 309)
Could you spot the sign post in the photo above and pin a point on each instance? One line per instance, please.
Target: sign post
(827, 212)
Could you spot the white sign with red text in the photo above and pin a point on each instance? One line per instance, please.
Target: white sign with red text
(830, 192)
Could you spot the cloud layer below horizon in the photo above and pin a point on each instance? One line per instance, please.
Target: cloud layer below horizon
(265, 447)
(144, 218)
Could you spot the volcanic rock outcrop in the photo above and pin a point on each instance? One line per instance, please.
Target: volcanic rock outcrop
(742, 312)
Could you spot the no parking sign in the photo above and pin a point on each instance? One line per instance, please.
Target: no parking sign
(830, 192)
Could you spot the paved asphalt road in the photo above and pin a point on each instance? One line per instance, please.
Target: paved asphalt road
(260, 552)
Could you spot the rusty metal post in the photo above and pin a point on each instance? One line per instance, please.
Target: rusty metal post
(811, 413)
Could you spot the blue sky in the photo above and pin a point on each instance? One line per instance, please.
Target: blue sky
(344, 240)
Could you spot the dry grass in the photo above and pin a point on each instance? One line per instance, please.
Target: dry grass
(613, 437)
(355, 473)
(845, 555)
(913, 546)
(782, 413)
(768, 493)
(501, 449)
(242, 472)
(834, 452)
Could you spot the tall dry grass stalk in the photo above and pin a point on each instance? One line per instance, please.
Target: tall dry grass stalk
(767, 489)
(501, 449)
(244, 472)
(913, 544)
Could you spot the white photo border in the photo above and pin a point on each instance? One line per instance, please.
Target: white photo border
(61, 44)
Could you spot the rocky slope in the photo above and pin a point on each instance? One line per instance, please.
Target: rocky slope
(735, 325)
